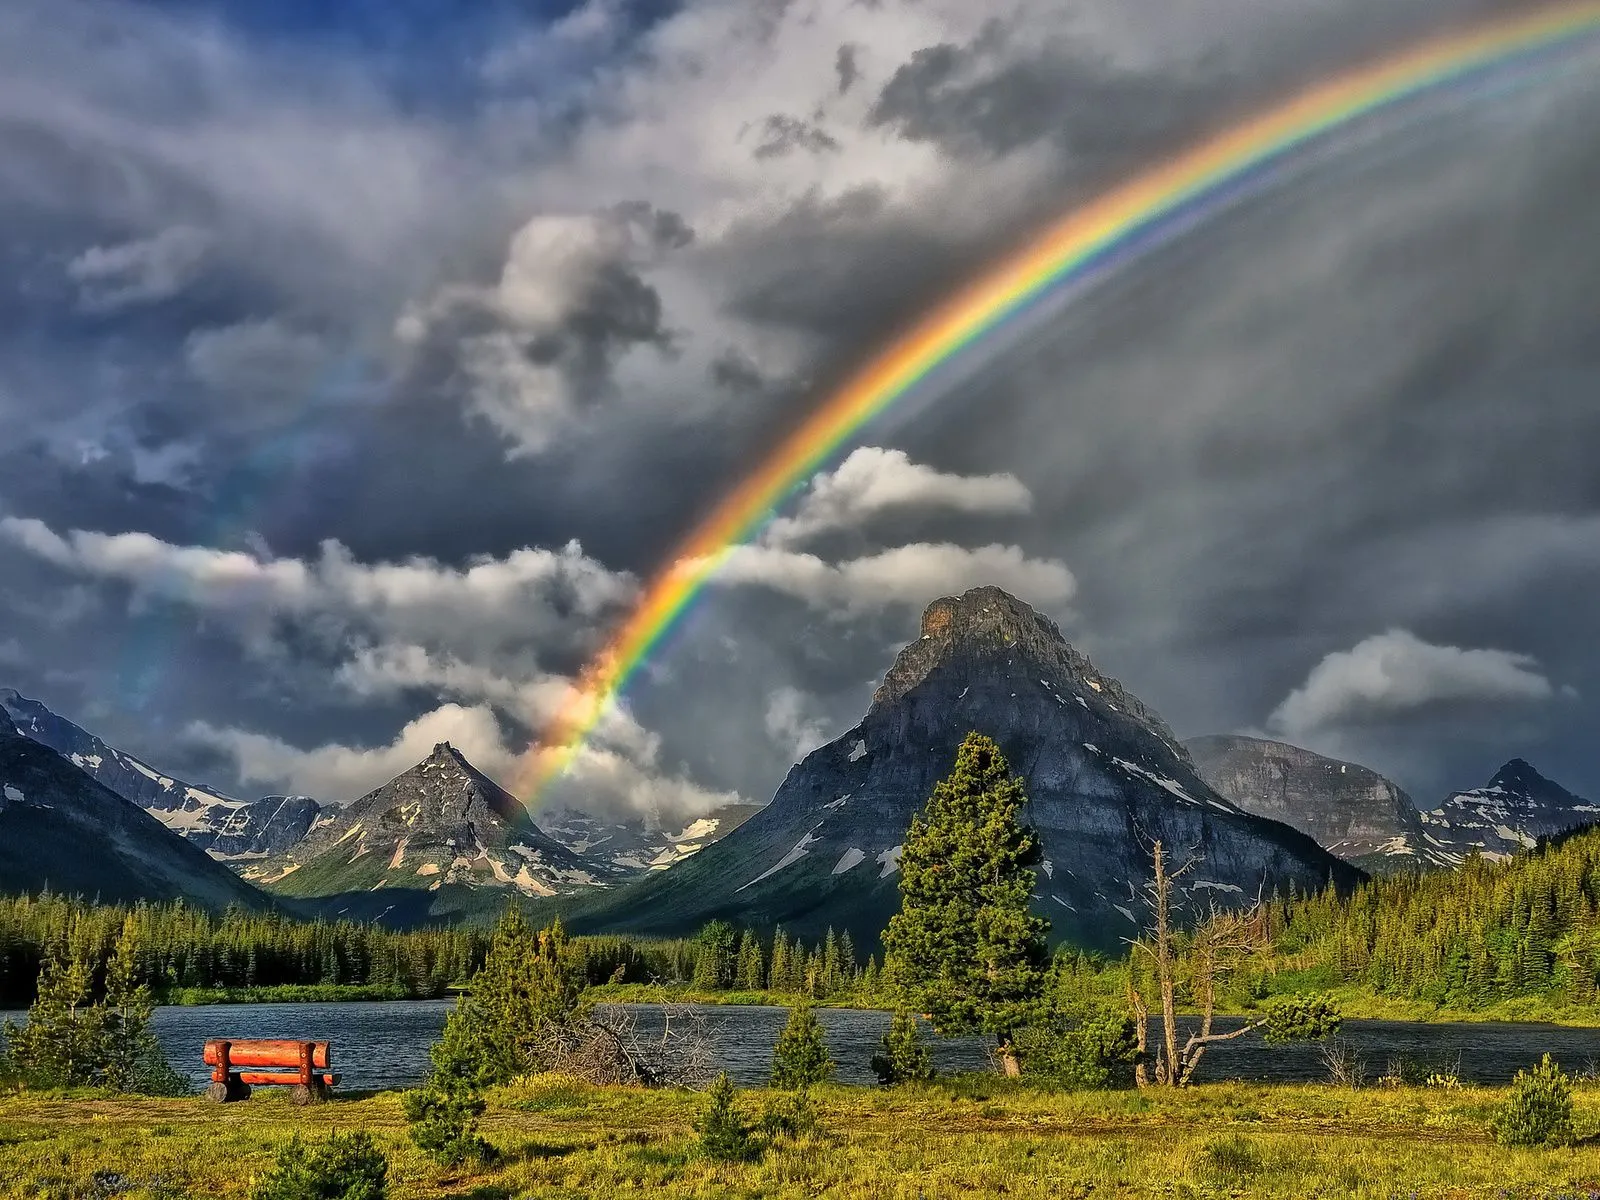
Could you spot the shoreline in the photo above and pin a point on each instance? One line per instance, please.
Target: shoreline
(1356, 1004)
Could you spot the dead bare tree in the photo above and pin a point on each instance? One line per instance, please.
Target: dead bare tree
(1214, 950)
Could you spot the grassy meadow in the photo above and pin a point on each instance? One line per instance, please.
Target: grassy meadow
(962, 1138)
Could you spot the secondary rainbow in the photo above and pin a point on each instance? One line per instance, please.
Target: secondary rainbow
(1088, 241)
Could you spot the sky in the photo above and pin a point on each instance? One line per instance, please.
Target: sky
(359, 363)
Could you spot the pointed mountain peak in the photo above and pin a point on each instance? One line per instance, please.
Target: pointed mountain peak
(1518, 775)
(986, 631)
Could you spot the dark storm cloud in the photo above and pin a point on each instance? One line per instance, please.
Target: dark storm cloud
(1364, 401)
(846, 67)
(784, 134)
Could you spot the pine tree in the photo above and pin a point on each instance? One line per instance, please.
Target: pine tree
(903, 1057)
(63, 1043)
(133, 1058)
(778, 970)
(713, 964)
(964, 946)
(750, 972)
(724, 1135)
(830, 977)
(801, 1057)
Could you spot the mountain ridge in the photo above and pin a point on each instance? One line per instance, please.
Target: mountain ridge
(61, 829)
(1351, 810)
(225, 827)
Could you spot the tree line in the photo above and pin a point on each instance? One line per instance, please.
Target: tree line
(1468, 938)
(177, 946)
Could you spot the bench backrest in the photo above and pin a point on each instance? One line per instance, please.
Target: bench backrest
(257, 1052)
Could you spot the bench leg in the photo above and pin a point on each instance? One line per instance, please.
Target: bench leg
(309, 1093)
(229, 1092)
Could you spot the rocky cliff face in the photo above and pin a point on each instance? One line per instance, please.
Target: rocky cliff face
(222, 826)
(1516, 809)
(1105, 775)
(60, 829)
(441, 824)
(1349, 809)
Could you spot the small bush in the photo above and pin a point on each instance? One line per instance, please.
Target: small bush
(1096, 1051)
(1538, 1112)
(1302, 1019)
(789, 1115)
(800, 1057)
(444, 1125)
(346, 1166)
(724, 1136)
(903, 1057)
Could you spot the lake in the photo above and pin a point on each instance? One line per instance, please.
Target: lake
(386, 1044)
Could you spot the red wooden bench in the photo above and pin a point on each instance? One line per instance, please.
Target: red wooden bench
(302, 1066)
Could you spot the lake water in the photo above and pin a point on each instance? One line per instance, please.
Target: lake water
(386, 1044)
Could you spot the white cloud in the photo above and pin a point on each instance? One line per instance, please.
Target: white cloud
(872, 481)
(599, 779)
(542, 341)
(1396, 672)
(905, 575)
(792, 724)
(339, 773)
(529, 597)
(142, 271)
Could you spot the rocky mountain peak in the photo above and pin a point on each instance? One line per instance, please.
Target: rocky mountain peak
(1518, 775)
(988, 625)
(1104, 778)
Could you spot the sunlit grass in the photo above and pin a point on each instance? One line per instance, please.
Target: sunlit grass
(980, 1138)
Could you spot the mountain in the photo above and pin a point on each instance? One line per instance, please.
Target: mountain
(220, 825)
(1351, 810)
(1104, 773)
(442, 826)
(1516, 809)
(60, 829)
(638, 844)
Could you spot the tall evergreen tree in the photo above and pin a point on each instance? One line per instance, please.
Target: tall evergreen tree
(778, 968)
(750, 973)
(964, 947)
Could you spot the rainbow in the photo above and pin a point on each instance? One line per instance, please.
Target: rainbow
(1083, 245)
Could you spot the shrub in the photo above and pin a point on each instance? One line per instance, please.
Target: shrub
(444, 1125)
(904, 1057)
(74, 1038)
(789, 1115)
(1093, 1051)
(800, 1057)
(346, 1166)
(724, 1136)
(1302, 1019)
(1538, 1112)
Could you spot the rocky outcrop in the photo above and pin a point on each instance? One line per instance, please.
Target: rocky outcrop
(1517, 808)
(1105, 775)
(222, 826)
(1349, 809)
(60, 829)
(441, 824)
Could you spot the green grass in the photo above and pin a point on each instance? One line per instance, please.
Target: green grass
(977, 1137)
